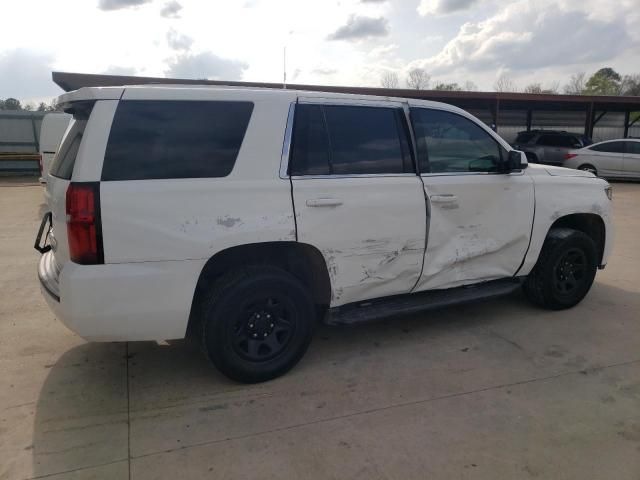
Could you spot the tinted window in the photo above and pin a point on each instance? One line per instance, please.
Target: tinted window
(175, 139)
(310, 142)
(349, 140)
(633, 147)
(453, 143)
(524, 137)
(65, 160)
(609, 147)
(566, 141)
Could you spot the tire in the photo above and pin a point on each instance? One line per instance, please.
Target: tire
(588, 168)
(257, 323)
(531, 157)
(564, 271)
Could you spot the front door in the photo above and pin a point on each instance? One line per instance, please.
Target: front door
(480, 220)
(357, 197)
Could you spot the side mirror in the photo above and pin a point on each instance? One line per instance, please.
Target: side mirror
(516, 161)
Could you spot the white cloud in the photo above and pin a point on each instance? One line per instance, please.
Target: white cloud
(443, 7)
(178, 41)
(118, 70)
(118, 4)
(205, 65)
(26, 74)
(383, 50)
(324, 71)
(360, 27)
(171, 9)
(528, 36)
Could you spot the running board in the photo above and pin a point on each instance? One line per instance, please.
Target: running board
(381, 308)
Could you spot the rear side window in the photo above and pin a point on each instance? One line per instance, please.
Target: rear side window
(633, 147)
(349, 140)
(175, 139)
(558, 141)
(609, 147)
(525, 137)
(65, 160)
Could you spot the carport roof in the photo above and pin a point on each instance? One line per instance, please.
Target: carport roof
(506, 100)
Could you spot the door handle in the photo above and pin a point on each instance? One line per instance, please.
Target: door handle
(445, 198)
(324, 202)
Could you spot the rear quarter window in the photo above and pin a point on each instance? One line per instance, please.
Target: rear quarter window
(175, 139)
(65, 160)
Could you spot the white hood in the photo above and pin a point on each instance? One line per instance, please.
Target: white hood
(566, 172)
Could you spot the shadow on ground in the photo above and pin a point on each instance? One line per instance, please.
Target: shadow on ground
(92, 392)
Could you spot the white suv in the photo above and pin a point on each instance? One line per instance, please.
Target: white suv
(245, 215)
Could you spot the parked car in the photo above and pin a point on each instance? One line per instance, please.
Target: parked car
(244, 215)
(610, 159)
(549, 146)
(51, 131)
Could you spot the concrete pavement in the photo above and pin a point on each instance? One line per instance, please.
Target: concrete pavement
(493, 390)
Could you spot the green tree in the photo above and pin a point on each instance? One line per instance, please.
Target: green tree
(11, 104)
(605, 81)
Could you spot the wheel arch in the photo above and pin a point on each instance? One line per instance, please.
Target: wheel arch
(302, 260)
(590, 224)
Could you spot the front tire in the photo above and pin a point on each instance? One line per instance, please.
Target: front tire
(257, 323)
(565, 270)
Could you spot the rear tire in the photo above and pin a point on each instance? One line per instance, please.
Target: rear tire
(588, 168)
(565, 270)
(257, 323)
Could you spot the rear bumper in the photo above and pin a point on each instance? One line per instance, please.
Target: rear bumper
(121, 302)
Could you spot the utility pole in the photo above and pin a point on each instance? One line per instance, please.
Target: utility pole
(284, 68)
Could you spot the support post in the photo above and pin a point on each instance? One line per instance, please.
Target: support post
(627, 116)
(529, 119)
(588, 123)
(36, 140)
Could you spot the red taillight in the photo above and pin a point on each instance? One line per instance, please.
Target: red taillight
(569, 156)
(40, 163)
(83, 223)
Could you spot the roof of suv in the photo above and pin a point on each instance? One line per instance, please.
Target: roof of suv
(160, 91)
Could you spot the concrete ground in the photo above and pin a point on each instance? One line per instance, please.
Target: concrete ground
(495, 390)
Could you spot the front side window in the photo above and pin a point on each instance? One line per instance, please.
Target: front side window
(448, 142)
(175, 139)
(609, 147)
(349, 140)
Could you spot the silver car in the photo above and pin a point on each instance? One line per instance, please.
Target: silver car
(610, 159)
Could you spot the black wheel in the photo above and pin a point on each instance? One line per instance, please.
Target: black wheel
(588, 168)
(257, 323)
(531, 157)
(565, 270)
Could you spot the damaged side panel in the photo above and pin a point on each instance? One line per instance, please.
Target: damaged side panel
(482, 231)
(373, 239)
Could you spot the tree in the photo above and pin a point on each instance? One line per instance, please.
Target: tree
(389, 80)
(418, 79)
(505, 84)
(605, 81)
(576, 84)
(533, 88)
(631, 85)
(12, 104)
(469, 86)
(448, 87)
(539, 89)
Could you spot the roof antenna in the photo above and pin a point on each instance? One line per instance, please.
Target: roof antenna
(284, 68)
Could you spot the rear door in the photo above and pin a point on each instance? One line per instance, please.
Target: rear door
(632, 159)
(357, 196)
(480, 219)
(608, 158)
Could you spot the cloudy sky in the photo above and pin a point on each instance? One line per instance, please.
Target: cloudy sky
(338, 42)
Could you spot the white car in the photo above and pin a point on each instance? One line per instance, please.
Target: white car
(609, 159)
(245, 215)
(51, 132)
